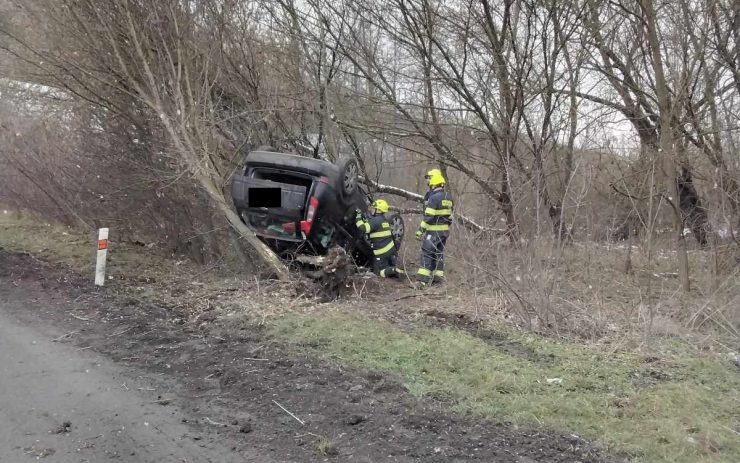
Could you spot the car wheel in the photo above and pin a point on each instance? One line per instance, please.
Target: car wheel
(397, 228)
(349, 174)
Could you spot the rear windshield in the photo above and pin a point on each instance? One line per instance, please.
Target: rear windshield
(272, 225)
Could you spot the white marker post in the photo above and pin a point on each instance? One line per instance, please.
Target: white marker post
(102, 254)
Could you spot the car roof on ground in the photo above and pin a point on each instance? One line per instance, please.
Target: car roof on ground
(291, 162)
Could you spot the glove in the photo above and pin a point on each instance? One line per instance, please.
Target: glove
(359, 215)
(419, 234)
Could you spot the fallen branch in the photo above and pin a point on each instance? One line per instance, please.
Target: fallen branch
(286, 411)
(392, 190)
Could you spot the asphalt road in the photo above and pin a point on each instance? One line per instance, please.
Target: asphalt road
(45, 383)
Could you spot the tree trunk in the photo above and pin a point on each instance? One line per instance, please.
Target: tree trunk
(264, 253)
(667, 152)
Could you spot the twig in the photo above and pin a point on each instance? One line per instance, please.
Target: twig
(256, 349)
(145, 389)
(257, 360)
(729, 429)
(124, 331)
(210, 421)
(286, 411)
(80, 318)
(63, 336)
(418, 294)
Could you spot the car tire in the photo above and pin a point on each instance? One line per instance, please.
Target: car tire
(398, 228)
(349, 174)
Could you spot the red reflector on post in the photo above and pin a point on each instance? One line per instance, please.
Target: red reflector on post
(102, 244)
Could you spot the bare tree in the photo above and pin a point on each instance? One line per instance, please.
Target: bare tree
(162, 56)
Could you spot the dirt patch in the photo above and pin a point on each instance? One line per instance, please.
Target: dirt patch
(656, 371)
(496, 338)
(254, 392)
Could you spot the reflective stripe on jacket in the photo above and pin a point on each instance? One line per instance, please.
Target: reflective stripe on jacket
(437, 211)
(378, 231)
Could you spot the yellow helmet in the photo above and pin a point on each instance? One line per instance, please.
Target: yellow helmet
(381, 205)
(435, 178)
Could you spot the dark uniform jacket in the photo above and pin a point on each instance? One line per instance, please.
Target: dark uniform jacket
(378, 230)
(437, 211)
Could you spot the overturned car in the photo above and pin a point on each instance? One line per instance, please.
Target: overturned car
(299, 205)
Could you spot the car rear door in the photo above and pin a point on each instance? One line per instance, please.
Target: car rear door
(283, 199)
(271, 209)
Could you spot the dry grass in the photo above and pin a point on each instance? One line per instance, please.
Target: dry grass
(584, 289)
(325, 447)
(575, 291)
(144, 273)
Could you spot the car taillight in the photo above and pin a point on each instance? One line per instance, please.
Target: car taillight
(313, 206)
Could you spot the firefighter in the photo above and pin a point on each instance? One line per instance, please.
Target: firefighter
(434, 229)
(378, 231)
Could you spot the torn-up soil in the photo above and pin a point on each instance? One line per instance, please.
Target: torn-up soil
(247, 391)
(479, 329)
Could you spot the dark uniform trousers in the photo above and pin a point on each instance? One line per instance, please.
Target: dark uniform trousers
(432, 256)
(436, 229)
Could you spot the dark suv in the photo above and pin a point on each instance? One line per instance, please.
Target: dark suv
(300, 205)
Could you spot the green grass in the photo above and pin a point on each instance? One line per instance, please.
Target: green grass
(78, 250)
(61, 244)
(679, 408)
